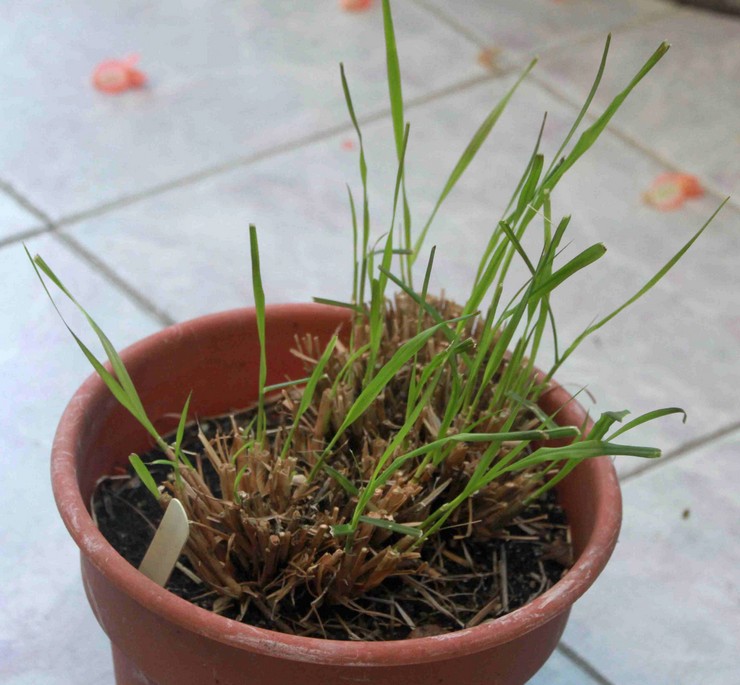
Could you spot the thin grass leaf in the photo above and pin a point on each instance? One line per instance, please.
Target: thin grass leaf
(394, 251)
(377, 308)
(180, 433)
(580, 261)
(341, 530)
(592, 133)
(114, 359)
(346, 484)
(285, 384)
(530, 186)
(339, 303)
(385, 524)
(517, 246)
(355, 262)
(125, 394)
(470, 151)
(559, 433)
(645, 288)
(363, 178)
(394, 77)
(586, 104)
(649, 416)
(237, 480)
(582, 450)
(144, 476)
(259, 306)
(396, 98)
(547, 421)
(605, 422)
(308, 392)
(524, 176)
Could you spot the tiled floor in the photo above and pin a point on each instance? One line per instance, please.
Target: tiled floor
(141, 202)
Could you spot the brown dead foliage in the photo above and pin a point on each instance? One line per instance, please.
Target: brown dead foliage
(268, 539)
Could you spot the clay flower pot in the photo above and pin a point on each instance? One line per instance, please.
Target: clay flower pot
(160, 639)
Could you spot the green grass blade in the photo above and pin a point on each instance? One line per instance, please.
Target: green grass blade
(582, 450)
(645, 288)
(259, 306)
(338, 303)
(470, 151)
(394, 77)
(286, 384)
(530, 186)
(120, 385)
(592, 133)
(586, 104)
(309, 391)
(356, 263)
(181, 425)
(522, 180)
(363, 178)
(649, 416)
(114, 359)
(580, 261)
(144, 476)
(180, 433)
(385, 524)
(346, 484)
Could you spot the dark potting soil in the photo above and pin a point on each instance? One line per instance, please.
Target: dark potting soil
(479, 582)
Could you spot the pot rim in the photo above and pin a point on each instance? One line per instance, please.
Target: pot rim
(179, 611)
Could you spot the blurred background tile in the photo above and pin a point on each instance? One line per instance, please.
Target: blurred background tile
(665, 610)
(14, 219)
(688, 111)
(41, 599)
(225, 80)
(560, 670)
(532, 27)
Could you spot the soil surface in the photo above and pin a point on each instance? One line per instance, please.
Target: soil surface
(467, 584)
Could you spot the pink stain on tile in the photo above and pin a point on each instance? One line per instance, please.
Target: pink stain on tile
(734, 327)
(118, 75)
(348, 144)
(490, 58)
(355, 5)
(669, 191)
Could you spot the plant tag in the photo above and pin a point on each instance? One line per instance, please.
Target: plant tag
(167, 544)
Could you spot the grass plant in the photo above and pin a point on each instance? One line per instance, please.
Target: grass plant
(423, 419)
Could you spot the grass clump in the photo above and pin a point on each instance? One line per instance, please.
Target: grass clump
(417, 437)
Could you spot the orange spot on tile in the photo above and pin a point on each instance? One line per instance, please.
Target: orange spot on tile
(118, 75)
(489, 58)
(669, 191)
(355, 5)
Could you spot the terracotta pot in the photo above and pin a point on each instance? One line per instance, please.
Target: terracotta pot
(160, 639)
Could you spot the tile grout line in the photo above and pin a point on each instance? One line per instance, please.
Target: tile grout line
(449, 21)
(585, 37)
(274, 151)
(143, 302)
(26, 204)
(583, 664)
(50, 228)
(25, 235)
(682, 451)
